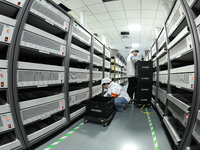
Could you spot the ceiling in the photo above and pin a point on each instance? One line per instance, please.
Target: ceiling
(112, 18)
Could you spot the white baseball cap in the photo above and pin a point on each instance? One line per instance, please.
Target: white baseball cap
(133, 50)
(105, 80)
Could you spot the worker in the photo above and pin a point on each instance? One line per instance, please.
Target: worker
(117, 91)
(131, 60)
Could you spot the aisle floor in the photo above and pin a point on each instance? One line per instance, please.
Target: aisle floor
(129, 130)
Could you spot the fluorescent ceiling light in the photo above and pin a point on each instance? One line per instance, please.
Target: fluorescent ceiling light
(135, 27)
(135, 45)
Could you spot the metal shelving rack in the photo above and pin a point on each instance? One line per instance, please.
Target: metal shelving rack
(122, 71)
(98, 67)
(10, 20)
(39, 71)
(80, 70)
(107, 62)
(50, 66)
(118, 69)
(176, 74)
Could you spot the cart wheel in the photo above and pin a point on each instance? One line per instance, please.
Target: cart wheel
(105, 124)
(85, 121)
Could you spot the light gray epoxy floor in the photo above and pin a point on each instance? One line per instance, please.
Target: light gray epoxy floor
(129, 130)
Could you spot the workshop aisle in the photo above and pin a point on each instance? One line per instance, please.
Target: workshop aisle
(129, 130)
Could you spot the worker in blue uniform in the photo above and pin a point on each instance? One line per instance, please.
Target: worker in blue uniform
(131, 60)
(117, 91)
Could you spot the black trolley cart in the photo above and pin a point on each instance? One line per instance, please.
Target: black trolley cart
(100, 109)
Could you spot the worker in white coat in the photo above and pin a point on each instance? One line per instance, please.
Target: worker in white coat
(117, 91)
(131, 60)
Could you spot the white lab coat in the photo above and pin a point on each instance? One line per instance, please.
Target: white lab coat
(131, 60)
(117, 89)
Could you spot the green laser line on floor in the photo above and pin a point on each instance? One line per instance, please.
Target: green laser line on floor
(152, 131)
(62, 138)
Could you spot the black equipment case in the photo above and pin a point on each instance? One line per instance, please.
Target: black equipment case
(144, 79)
(100, 109)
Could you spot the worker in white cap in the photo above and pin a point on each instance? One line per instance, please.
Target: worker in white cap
(131, 60)
(115, 90)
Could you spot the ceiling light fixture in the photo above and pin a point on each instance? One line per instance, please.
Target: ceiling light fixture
(135, 45)
(135, 27)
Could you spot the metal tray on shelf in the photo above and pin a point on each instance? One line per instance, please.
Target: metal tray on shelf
(42, 111)
(179, 109)
(175, 18)
(97, 75)
(50, 13)
(98, 46)
(161, 39)
(107, 52)
(4, 108)
(34, 74)
(182, 48)
(163, 76)
(197, 21)
(15, 144)
(78, 75)
(162, 95)
(153, 50)
(191, 2)
(77, 96)
(169, 122)
(107, 64)
(179, 37)
(153, 101)
(154, 90)
(160, 109)
(107, 74)
(196, 130)
(183, 80)
(98, 61)
(81, 34)
(193, 147)
(37, 66)
(77, 113)
(161, 53)
(79, 54)
(183, 77)
(43, 41)
(3, 63)
(46, 130)
(154, 76)
(40, 101)
(162, 60)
